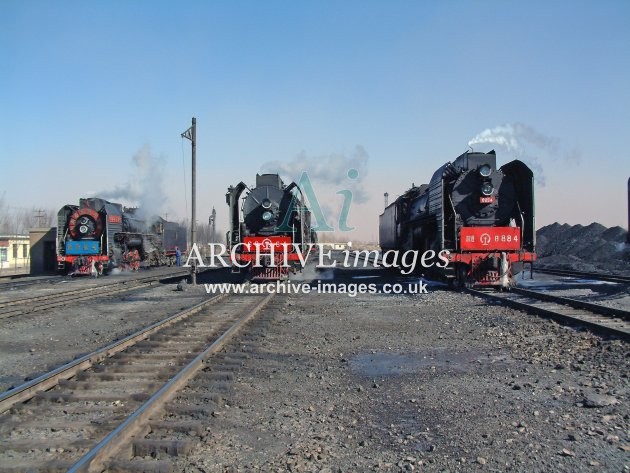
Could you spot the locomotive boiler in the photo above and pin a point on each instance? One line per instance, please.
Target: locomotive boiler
(268, 225)
(481, 214)
(97, 236)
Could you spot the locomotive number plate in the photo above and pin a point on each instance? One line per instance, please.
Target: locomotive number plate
(490, 238)
(264, 244)
(83, 247)
(486, 200)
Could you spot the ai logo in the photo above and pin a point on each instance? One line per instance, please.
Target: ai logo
(320, 224)
(485, 239)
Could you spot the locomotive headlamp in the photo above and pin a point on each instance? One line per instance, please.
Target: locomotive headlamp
(266, 216)
(487, 189)
(485, 170)
(266, 203)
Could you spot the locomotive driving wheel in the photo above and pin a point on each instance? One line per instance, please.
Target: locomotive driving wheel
(130, 260)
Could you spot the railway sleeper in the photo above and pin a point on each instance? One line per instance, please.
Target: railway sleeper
(249, 339)
(55, 466)
(257, 329)
(245, 347)
(31, 446)
(168, 338)
(231, 357)
(140, 466)
(189, 427)
(161, 361)
(226, 366)
(62, 409)
(211, 376)
(55, 424)
(195, 411)
(108, 384)
(210, 387)
(180, 349)
(210, 399)
(73, 397)
(130, 362)
(117, 373)
(174, 448)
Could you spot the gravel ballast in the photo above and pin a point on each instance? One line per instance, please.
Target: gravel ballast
(434, 382)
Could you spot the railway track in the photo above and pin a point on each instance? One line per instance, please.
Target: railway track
(146, 396)
(585, 275)
(594, 316)
(18, 283)
(27, 305)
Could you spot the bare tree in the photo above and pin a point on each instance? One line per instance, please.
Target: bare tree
(19, 220)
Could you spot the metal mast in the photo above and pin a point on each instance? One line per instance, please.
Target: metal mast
(191, 134)
(212, 222)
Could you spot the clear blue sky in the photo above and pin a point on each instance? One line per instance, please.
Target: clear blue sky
(85, 85)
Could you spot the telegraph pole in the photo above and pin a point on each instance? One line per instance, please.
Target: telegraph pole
(212, 222)
(191, 134)
(39, 215)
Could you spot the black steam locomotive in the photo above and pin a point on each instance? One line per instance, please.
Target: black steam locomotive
(97, 236)
(267, 226)
(482, 215)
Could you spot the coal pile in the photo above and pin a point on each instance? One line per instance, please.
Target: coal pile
(583, 248)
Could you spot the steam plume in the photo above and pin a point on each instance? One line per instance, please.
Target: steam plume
(328, 174)
(146, 188)
(526, 144)
(327, 171)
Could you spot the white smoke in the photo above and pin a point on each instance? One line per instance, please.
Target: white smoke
(327, 171)
(328, 175)
(146, 189)
(524, 143)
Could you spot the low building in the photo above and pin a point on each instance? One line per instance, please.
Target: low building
(14, 253)
(43, 255)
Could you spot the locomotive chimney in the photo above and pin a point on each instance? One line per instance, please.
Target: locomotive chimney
(386, 195)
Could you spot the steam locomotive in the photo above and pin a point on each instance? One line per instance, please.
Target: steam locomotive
(270, 220)
(482, 215)
(97, 236)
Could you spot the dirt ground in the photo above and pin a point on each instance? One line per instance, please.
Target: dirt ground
(434, 382)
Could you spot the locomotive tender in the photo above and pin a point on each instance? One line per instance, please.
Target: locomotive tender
(483, 216)
(97, 236)
(266, 224)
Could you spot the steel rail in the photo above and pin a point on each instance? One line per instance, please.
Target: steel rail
(49, 301)
(541, 304)
(30, 281)
(590, 306)
(582, 274)
(49, 380)
(95, 460)
(29, 300)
